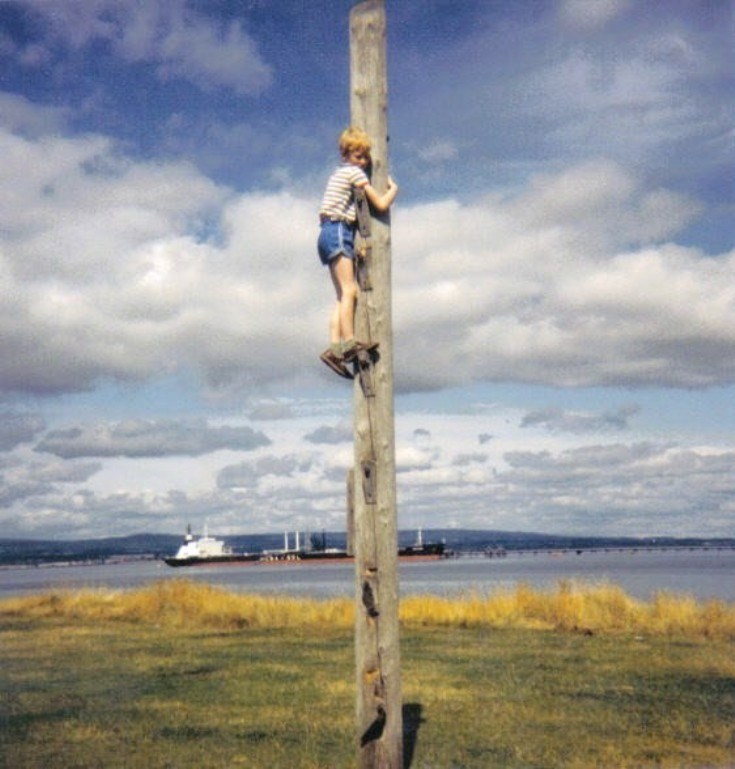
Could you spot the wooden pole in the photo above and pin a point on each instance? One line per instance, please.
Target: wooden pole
(379, 716)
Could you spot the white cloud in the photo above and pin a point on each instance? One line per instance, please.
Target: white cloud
(269, 410)
(326, 434)
(179, 41)
(438, 151)
(27, 119)
(95, 258)
(569, 282)
(253, 473)
(580, 478)
(126, 269)
(22, 480)
(140, 438)
(558, 420)
(616, 485)
(591, 14)
(190, 46)
(18, 427)
(617, 79)
(566, 284)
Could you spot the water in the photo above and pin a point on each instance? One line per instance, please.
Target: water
(703, 574)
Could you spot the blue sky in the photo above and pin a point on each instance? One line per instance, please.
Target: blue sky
(563, 265)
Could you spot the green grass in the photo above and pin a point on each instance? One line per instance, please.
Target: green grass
(82, 687)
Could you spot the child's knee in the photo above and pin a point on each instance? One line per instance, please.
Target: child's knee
(350, 291)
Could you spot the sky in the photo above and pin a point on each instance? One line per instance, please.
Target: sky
(562, 253)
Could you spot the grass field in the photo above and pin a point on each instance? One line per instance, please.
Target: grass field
(181, 675)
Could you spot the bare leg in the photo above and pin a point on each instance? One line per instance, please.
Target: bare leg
(343, 278)
(341, 320)
(334, 335)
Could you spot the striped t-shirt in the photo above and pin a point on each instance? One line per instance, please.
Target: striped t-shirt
(338, 202)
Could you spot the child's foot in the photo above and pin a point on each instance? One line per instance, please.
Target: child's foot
(351, 348)
(336, 363)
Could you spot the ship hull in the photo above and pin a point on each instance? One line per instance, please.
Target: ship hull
(216, 560)
(429, 552)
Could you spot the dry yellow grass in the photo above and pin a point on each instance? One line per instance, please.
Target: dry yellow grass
(599, 609)
(183, 674)
(183, 603)
(568, 607)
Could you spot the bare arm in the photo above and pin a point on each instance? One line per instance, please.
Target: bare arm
(381, 203)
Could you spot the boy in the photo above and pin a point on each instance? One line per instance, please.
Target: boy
(336, 243)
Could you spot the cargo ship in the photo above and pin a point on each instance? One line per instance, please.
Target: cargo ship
(208, 551)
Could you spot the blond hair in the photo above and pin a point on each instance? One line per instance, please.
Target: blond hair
(353, 139)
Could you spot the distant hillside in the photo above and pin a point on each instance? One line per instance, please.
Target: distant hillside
(37, 552)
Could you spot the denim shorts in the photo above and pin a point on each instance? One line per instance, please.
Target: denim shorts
(335, 239)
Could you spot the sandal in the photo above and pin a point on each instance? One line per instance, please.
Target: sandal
(335, 363)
